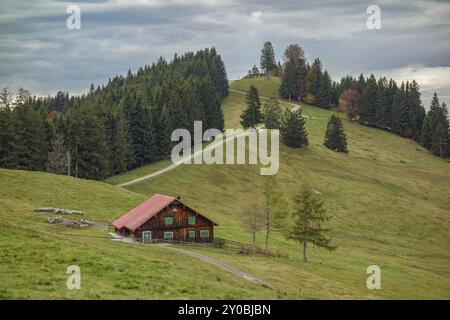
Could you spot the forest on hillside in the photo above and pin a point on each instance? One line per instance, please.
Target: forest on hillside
(119, 126)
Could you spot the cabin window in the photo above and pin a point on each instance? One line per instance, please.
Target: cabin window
(191, 220)
(168, 221)
(174, 207)
(204, 233)
(168, 235)
(191, 234)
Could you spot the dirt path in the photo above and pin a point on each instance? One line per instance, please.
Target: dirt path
(184, 160)
(220, 264)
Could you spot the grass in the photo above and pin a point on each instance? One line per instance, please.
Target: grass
(34, 255)
(388, 198)
(267, 87)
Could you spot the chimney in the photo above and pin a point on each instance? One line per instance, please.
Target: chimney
(178, 198)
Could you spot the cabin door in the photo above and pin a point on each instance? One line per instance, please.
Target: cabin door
(147, 236)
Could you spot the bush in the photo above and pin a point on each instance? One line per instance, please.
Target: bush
(219, 242)
(309, 99)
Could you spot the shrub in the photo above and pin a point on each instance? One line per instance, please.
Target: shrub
(309, 99)
(219, 242)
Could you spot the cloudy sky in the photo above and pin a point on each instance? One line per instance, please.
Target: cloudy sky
(38, 51)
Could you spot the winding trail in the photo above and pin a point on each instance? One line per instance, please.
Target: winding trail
(185, 159)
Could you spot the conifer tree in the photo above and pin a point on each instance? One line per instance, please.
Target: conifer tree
(308, 217)
(369, 101)
(272, 114)
(288, 87)
(267, 61)
(293, 131)
(400, 117)
(323, 94)
(87, 142)
(335, 138)
(251, 116)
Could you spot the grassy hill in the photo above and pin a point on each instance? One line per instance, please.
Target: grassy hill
(388, 197)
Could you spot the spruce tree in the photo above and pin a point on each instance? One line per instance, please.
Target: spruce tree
(288, 87)
(272, 114)
(323, 94)
(88, 144)
(369, 101)
(293, 131)
(267, 61)
(335, 138)
(31, 146)
(400, 116)
(251, 116)
(426, 134)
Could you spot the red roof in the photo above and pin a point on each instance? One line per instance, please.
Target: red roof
(143, 212)
(146, 210)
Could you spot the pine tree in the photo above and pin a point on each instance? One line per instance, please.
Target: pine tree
(369, 101)
(323, 94)
(119, 142)
(272, 114)
(7, 125)
(335, 138)
(439, 126)
(87, 143)
(426, 134)
(415, 109)
(31, 146)
(293, 131)
(288, 87)
(251, 116)
(308, 217)
(400, 116)
(314, 78)
(267, 62)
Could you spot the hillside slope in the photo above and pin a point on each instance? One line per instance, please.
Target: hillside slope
(34, 255)
(388, 197)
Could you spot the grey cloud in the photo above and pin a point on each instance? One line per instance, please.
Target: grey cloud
(37, 50)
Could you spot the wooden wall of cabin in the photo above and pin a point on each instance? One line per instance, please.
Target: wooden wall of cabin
(180, 226)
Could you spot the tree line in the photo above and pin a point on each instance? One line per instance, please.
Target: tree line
(379, 103)
(119, 126)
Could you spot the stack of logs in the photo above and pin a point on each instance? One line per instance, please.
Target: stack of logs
(70, 223)
(58, 211)
(67, 222)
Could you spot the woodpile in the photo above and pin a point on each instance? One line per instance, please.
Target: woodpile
(58, 211)
(70, 223)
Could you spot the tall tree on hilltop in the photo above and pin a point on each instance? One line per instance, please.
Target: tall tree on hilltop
(288, 87)
(267, 60)
(293, 52)
(251, 116)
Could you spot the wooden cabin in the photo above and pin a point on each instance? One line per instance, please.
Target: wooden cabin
(165, 218)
